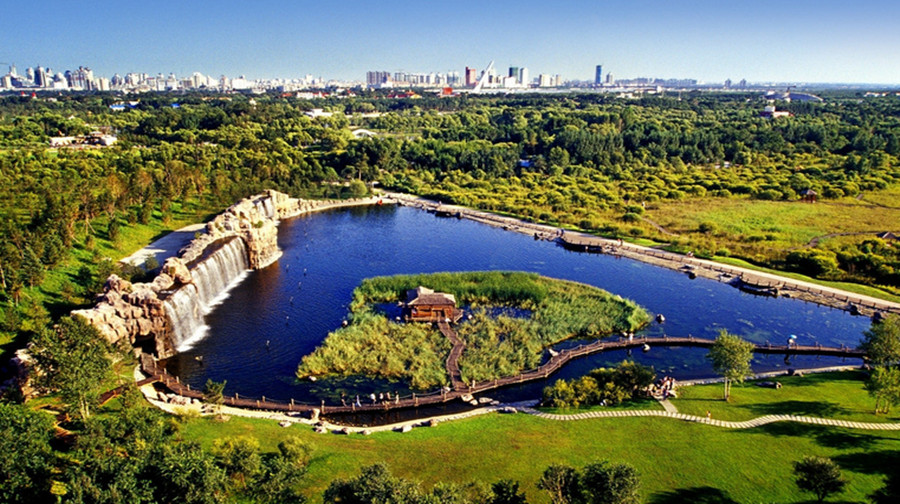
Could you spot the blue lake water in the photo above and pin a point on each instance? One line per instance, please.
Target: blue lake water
(279, 314)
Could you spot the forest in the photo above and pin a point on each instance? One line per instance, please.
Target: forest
(698, 172)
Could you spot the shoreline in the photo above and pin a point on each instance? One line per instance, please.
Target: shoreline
(706, 269)
(324, 426)
(784, 286)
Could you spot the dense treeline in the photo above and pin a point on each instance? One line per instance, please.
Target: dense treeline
(594, 162)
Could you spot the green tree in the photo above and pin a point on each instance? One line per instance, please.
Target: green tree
(357, 189)
(884, 385)
(214, 394)
(74, 358)
(507, 492)
(282, 472)
(562, 483)
(605, 483)
(239, 456)
(730, 356)
(26, 459)
(881, 341)
(819, 475)
(374, 485)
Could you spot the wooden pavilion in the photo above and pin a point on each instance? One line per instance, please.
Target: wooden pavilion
(426, 305)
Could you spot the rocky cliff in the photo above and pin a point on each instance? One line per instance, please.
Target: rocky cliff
(136, 313)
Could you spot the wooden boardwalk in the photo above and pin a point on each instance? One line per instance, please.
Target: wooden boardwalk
(452, 364)
(157, 374)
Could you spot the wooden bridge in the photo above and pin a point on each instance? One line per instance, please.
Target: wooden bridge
(460, 389)
(452, 364)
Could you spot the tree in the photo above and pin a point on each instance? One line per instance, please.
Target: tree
(26, 459)
(357, 189)
(507, 492)
(882, 341)
(374, 485)
(605, 483)
(213, 393)
(562, 483)
(819, 475)
(730, 356)
(884, 385)
(74, 359)
(281, 473)
(239, 456)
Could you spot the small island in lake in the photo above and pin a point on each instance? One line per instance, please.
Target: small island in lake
(504, 322)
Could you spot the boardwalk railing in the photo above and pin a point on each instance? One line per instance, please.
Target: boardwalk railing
(150, 367)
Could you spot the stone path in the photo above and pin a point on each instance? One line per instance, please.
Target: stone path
(671, 412)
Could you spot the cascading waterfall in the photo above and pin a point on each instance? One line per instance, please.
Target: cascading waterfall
(213, 277)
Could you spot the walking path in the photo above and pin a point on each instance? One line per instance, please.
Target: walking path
(452, 363)
(672, 412)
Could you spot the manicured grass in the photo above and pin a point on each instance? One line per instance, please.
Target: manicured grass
(835, 395)
(673, 457)
(636, 404)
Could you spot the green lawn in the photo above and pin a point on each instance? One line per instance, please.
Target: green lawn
(676, 459)
(837, 395)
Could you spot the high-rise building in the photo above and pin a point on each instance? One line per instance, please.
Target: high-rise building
(598, 75)
(523, 76)
(377, 78)
(514, 72)
(471, 77)
(40, 77)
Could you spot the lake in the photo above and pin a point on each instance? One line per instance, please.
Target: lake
(276, 315)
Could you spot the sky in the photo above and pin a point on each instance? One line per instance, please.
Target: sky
(762, 41)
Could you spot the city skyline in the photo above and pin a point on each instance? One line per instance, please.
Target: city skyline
(763, 41)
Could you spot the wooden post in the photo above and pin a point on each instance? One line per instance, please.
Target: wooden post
(257, 403)
(237, 396)
(189, 387)
(323, 406)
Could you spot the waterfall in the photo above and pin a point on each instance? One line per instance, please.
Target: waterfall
(266, 207)
(213, 276)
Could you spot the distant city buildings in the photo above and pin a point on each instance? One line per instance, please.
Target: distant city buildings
(516, 78)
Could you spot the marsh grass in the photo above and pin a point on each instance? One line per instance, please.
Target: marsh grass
(496, 346)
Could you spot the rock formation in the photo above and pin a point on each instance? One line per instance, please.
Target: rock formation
(137, 312)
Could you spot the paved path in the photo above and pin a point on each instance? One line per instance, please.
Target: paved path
(748, 424)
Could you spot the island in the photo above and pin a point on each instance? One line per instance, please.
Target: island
(503, 325)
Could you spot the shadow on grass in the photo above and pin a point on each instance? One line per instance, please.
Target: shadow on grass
(695, 495)
(801, 408)
(826, 436)
(873, 462)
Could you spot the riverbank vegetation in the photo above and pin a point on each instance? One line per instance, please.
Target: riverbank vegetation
(628, 381)
(497, 345)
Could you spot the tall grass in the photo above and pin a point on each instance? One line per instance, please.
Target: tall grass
(496, 346)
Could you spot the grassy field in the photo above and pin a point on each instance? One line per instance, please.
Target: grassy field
(676, 459)
(839, 396)
(783, 225)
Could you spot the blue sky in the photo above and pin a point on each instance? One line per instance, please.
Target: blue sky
(806, 41)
